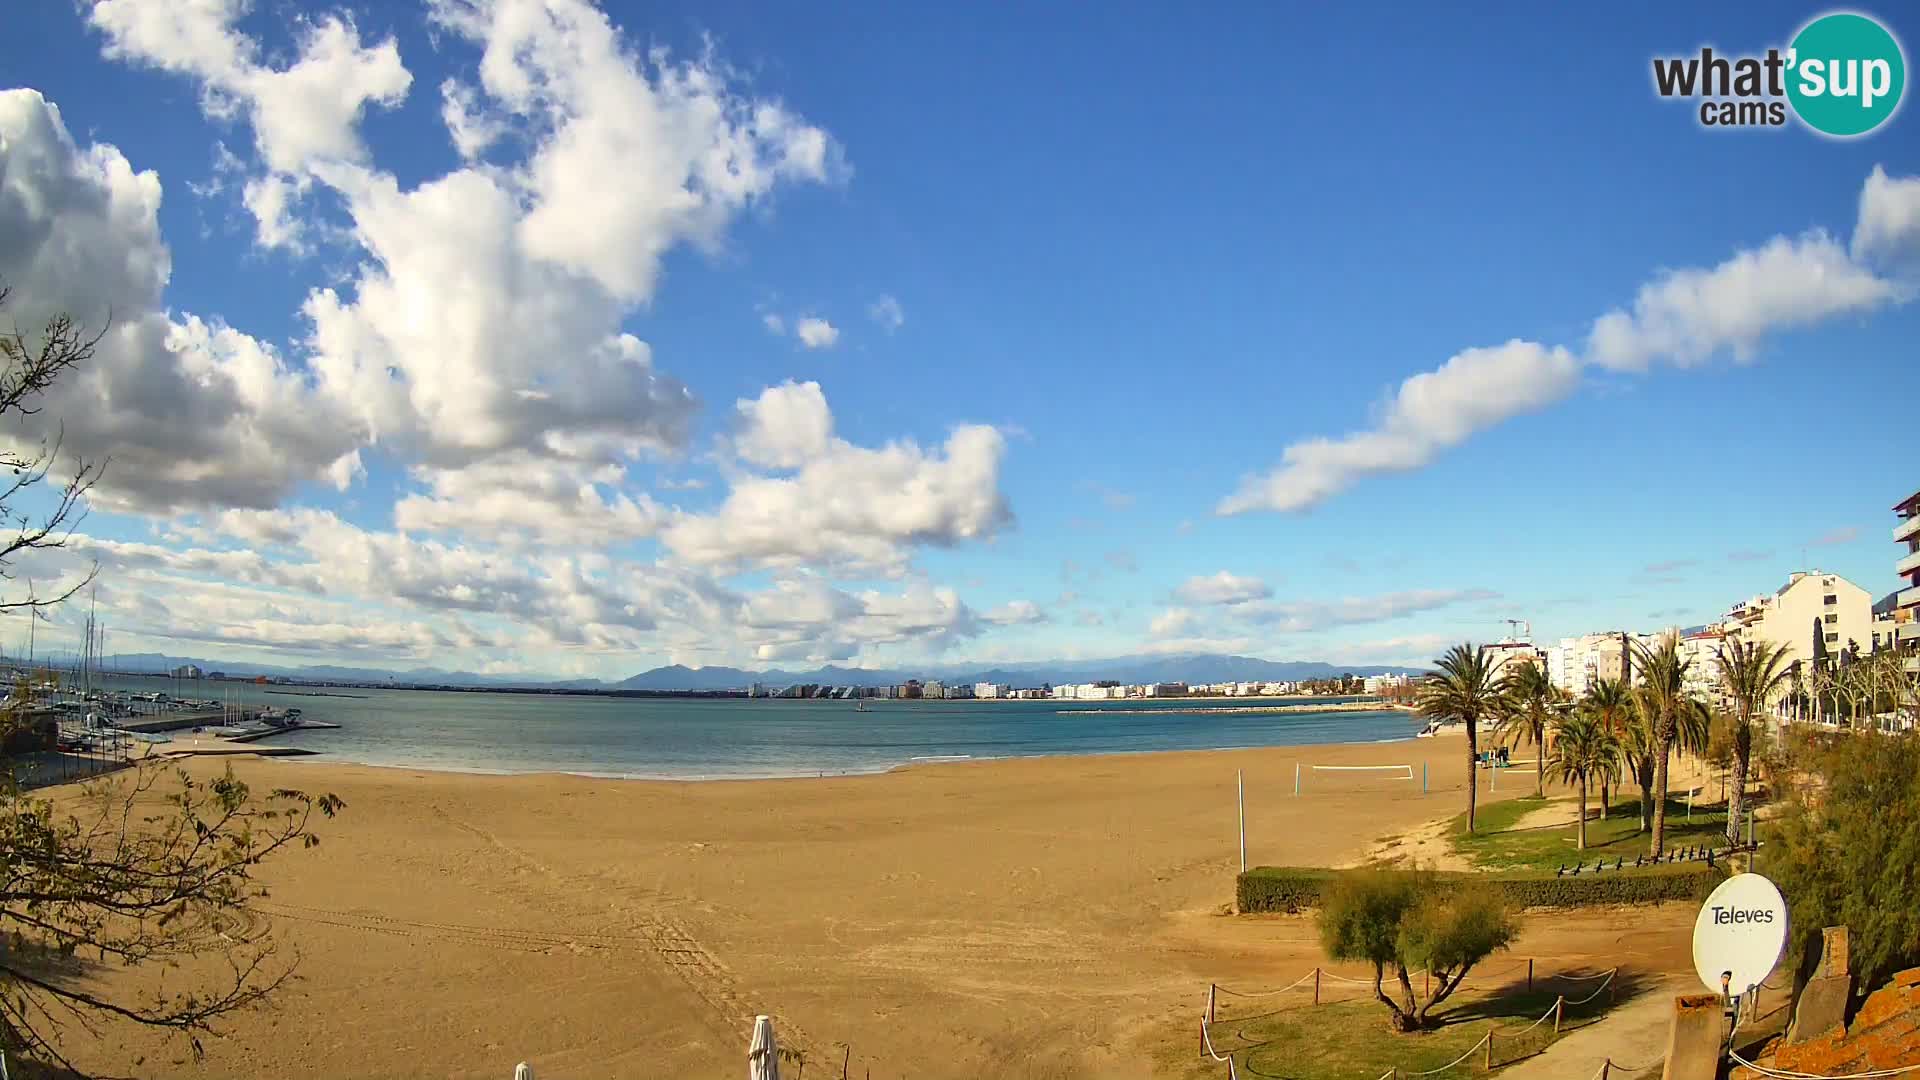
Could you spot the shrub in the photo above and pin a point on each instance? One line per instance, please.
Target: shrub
(1397, 919)
(1295, 889)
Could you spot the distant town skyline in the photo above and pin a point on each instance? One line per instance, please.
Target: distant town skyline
(533, 337)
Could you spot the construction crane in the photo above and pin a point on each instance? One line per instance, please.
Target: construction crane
(1519, 630)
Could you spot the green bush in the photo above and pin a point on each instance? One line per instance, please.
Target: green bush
(1293, 889)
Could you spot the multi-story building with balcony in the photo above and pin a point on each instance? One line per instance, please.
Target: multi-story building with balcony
(1906, 602)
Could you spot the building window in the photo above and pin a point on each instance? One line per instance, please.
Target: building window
(1832, 599)
(1832, 638)
(1832, 617)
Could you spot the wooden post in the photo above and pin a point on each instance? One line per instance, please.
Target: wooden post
(1529, 975)
(1559, 1005)
(1211, 988)
(1429, 978)
(1316, 986)
(1489, 1051)
(1606, 1065)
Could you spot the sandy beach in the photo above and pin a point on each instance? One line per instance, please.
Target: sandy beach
(1052, 917)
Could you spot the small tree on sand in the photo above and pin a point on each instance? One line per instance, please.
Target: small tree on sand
(1401, 920)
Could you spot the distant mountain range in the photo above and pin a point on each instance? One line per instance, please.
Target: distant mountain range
(1189, 667)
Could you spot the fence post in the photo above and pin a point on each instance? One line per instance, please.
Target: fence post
(1211, 987)
(1559, 1005)
(1429, 977)
(1489, 1051)
(1316, 986)
(1605, 1065)
(1529, 975)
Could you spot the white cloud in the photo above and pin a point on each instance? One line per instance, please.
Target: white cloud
(1223, 588)
(1015, 613)
(1888, 228)
(192, 412)
(523, 500)
(845, 507)
(1684, 317)
(1173, 622)
(774, 323)
(1432, 411)
(529, 266)
(816, 333)
(888, 313)
(785, 427)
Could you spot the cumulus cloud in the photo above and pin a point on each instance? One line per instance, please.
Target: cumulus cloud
(844, 507)
(888, 313)
(1682, 317)
(1888, 228)
(1172, 622)
(528, 265)
(1015, 613)
(1431, 412)
(816, 333)
(1223, 588)
(193, 412)
(785, 427)
(1686, 316)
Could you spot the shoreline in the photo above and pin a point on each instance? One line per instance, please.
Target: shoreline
(1227, 710)
(320, 758)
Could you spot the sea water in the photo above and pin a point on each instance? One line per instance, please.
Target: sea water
(728, 738)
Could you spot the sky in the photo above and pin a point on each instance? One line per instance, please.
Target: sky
(529, 336)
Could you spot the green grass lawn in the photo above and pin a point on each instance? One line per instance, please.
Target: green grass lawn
(1351, 1040)
(1497, 844)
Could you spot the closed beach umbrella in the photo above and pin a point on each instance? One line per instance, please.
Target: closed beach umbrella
(763, 1057)
(523, 1071)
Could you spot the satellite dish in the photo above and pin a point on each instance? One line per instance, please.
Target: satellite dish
(1740, 934)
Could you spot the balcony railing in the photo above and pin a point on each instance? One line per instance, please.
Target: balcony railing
(1907, 598)
(1907, 528)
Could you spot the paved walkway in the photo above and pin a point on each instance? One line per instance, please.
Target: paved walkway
(1633, 1034)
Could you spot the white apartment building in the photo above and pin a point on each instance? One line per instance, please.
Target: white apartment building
(1375, 684)
(1701, 651)
(1906, 603)
(933, 688)
(1577, 663)
(989, 690)
(1842, 610)
(1502, 655)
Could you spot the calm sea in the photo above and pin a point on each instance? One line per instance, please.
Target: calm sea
(676, 738)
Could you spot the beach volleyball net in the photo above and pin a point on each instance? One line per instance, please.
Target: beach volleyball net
(1308, 777)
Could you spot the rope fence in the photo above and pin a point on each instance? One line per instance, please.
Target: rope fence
(1484, 1047)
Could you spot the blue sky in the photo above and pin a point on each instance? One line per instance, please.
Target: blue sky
(1135, 259)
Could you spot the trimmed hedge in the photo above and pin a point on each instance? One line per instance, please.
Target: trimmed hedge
(1294, 888)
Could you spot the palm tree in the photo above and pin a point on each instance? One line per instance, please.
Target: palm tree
(1663, 698)
(1583, 751)
(1526, 709)
(1612, 708)
(1752, 673)
(1462, 690)
(1638, 747)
